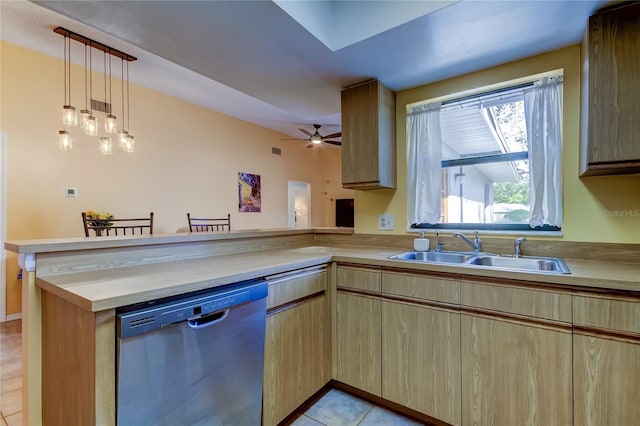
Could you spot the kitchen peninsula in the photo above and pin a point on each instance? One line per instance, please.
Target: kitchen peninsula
(75, 285)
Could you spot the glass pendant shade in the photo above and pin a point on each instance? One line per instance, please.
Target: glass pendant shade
(130, 144)
(64, 140)
(106, 146)
(84, 115)
(91, 126)
(122, 138)
(110, 124)
(69, 115)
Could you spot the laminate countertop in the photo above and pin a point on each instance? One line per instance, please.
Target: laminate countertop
(103, 289)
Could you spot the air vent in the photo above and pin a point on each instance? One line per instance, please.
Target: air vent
(97, 105)
(276, 151)
(142, 321)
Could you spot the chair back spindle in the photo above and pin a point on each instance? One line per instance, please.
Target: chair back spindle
(198, 224)
(118, 226)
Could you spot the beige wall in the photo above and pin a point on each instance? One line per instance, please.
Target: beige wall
(597, 209)
(187, 158)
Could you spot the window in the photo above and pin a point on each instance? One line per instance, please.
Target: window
(483, 160)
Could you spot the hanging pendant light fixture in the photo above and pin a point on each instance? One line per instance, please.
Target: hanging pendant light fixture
(106, 146)
(69, 114)
(89, 120)
(85, 113)
(130, 140)
(64, 140)
(92, 122)
(110, 123)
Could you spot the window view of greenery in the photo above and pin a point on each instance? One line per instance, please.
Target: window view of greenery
(485, 180)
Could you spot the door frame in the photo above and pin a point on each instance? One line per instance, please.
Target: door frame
(3, 226)
(291, 205)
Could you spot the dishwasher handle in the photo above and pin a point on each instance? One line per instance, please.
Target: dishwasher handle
(209, 320)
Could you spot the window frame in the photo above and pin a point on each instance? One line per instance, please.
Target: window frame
(520, 228)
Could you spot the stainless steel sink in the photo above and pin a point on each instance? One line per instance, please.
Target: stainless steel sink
(432, 256)
(546, 265)
(524, 263)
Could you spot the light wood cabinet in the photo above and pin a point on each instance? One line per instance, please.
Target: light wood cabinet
(358, 341)
(611, 93)
(421, 359)
(368, 136)
(297, 342)
(606, 350)
(516, 354)
(514, 373)
(297, 357)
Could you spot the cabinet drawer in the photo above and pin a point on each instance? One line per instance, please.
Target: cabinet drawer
(288, 287)
(358, 278)
(612, 314)
(421, 287)
(521, 301)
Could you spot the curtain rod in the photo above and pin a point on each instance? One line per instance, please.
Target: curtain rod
(95, 44)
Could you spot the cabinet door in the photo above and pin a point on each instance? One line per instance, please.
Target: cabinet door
(297, 357)
(421, 356)
(358, 341)
(514, 373)
(606, 381)
(368, 136)
(612, 49)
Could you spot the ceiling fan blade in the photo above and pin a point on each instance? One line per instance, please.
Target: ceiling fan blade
(306, 132)
(338, 143)
(332, 135)
(310, 145)
(297, 139)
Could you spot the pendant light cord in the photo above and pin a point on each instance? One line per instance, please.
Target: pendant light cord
(86, 99)
(65, 71)
(128, 108)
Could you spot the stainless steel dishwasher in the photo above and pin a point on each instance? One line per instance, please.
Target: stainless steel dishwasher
(193, 360)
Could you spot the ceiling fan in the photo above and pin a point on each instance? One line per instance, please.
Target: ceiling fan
(316, 138)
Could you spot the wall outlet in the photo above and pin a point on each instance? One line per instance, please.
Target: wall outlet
(70, 192)
(385, 222)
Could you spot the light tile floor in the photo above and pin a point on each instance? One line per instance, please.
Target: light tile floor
(338, 408)
(335, 408)
(11, 373)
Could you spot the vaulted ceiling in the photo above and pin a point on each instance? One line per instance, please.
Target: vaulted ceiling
(282, 64)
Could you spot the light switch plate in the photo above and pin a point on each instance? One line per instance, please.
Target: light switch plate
(385, 222)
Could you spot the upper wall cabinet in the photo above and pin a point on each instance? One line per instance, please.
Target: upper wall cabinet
(610, 129)
(368, 136)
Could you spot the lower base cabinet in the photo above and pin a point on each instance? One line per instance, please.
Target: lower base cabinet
(515, 373)
(297, 357)
(358, 325)
(421, 359)
(606, 380)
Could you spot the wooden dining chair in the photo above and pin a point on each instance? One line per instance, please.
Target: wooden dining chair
(198, 224)
(118, 226)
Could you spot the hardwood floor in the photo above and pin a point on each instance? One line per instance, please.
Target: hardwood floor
(11, 373)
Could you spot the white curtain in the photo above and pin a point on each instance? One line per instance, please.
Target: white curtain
(543, 115)
(424, 156)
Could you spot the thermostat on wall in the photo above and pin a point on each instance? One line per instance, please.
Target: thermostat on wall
(70, 192)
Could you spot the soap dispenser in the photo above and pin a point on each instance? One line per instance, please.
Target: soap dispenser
(421, 244)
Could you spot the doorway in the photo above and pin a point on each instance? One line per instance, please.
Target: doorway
(299, 210)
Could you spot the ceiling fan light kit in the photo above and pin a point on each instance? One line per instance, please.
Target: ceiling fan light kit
(316, 138)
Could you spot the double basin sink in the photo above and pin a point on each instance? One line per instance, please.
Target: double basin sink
(546, 265)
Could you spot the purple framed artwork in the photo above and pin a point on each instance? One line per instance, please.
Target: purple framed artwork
(249, 197)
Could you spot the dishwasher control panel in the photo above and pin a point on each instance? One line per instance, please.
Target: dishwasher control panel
(153, 317)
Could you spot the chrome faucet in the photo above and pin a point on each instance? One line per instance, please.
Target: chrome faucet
(438, 245)
(476, 245)
(516, 246)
